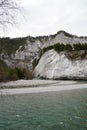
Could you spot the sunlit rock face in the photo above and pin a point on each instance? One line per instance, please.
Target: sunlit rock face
(57, 66)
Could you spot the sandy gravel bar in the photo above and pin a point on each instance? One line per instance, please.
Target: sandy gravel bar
(27, 83)
(49, 88)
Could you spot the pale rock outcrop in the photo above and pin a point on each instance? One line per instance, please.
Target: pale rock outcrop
(26, 54)
(57, 66)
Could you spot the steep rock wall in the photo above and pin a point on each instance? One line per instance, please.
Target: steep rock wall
(30, 50)
(57, 66)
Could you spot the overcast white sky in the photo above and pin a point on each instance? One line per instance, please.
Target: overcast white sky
(44, 17)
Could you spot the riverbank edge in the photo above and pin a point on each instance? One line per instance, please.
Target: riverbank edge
(26, 83)
(59, 86)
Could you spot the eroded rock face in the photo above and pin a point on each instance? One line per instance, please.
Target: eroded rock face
(26, 54)
(57, 66)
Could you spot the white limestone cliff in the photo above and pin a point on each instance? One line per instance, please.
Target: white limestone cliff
(57, 66)
(25, 55)
(32, 49)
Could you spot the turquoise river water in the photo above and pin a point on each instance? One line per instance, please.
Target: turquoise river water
(65, 110)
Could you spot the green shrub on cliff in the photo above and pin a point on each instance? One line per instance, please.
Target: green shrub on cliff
(68, 47)
(58, 47)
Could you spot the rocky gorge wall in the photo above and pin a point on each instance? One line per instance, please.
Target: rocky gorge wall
(41, 55)
(25, 52)
(57, 66)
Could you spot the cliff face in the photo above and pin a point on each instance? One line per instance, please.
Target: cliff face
(57, 66)
(26, 52)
